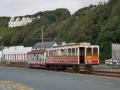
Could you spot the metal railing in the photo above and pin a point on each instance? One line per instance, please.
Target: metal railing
(107, 67)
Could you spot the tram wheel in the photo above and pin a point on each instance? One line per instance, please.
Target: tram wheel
(89, 69)
(74, 68)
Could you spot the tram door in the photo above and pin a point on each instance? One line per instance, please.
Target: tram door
(82, 55)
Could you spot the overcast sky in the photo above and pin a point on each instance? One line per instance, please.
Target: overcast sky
(25, 7)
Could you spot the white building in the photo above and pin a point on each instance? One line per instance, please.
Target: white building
(16, 53)
(18, 22)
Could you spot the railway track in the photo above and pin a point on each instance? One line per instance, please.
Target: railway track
(97, 73)
(107, 74)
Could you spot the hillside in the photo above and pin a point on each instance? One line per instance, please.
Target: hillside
(96, 24)
(30, 34)
(5, 31)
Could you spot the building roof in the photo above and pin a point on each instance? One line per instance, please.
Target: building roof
(46, 44)
(59, 43)
(16, 49)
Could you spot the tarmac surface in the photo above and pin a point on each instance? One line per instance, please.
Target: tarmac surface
(32, 79)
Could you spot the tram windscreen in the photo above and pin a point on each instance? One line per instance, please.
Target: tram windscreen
(95, 51)
(89, 51)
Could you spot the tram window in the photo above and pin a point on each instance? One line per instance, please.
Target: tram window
(73, 51)
(47, 53)
(55, 53)
(69, 52)
(82, 51)
(51, 53)
(76, 51)
(63, 52)
(66, 52)
(59, 52)
(95, 51)
(89, 51)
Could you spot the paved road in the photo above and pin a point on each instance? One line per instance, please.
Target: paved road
(48, 80)
(8, 85)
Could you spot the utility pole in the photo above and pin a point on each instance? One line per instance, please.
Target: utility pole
(2, 55)
(42, 38)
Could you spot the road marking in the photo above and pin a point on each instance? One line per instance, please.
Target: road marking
(98, 82)
(69, 78)
(8, 87)
(108, 83)
(42, 74)
(86, 80)
(14, 86)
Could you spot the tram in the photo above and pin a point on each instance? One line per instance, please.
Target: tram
(79, 57)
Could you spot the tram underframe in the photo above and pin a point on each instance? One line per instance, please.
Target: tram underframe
(72, 68)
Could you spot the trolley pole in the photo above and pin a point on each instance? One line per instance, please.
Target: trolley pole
(42, 38)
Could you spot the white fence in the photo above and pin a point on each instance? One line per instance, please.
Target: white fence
(15, 54)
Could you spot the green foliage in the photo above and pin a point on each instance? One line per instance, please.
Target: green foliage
(4, 21)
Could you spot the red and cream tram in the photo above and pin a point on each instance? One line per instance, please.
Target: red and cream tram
(71, 55)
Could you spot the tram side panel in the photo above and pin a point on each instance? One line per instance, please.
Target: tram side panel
(62, 60)
(62, 56)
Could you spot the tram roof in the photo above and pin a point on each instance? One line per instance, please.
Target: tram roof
(73, 45)
(35, 51)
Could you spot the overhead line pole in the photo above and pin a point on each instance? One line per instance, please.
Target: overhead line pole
(2, 54)
(42, 38)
